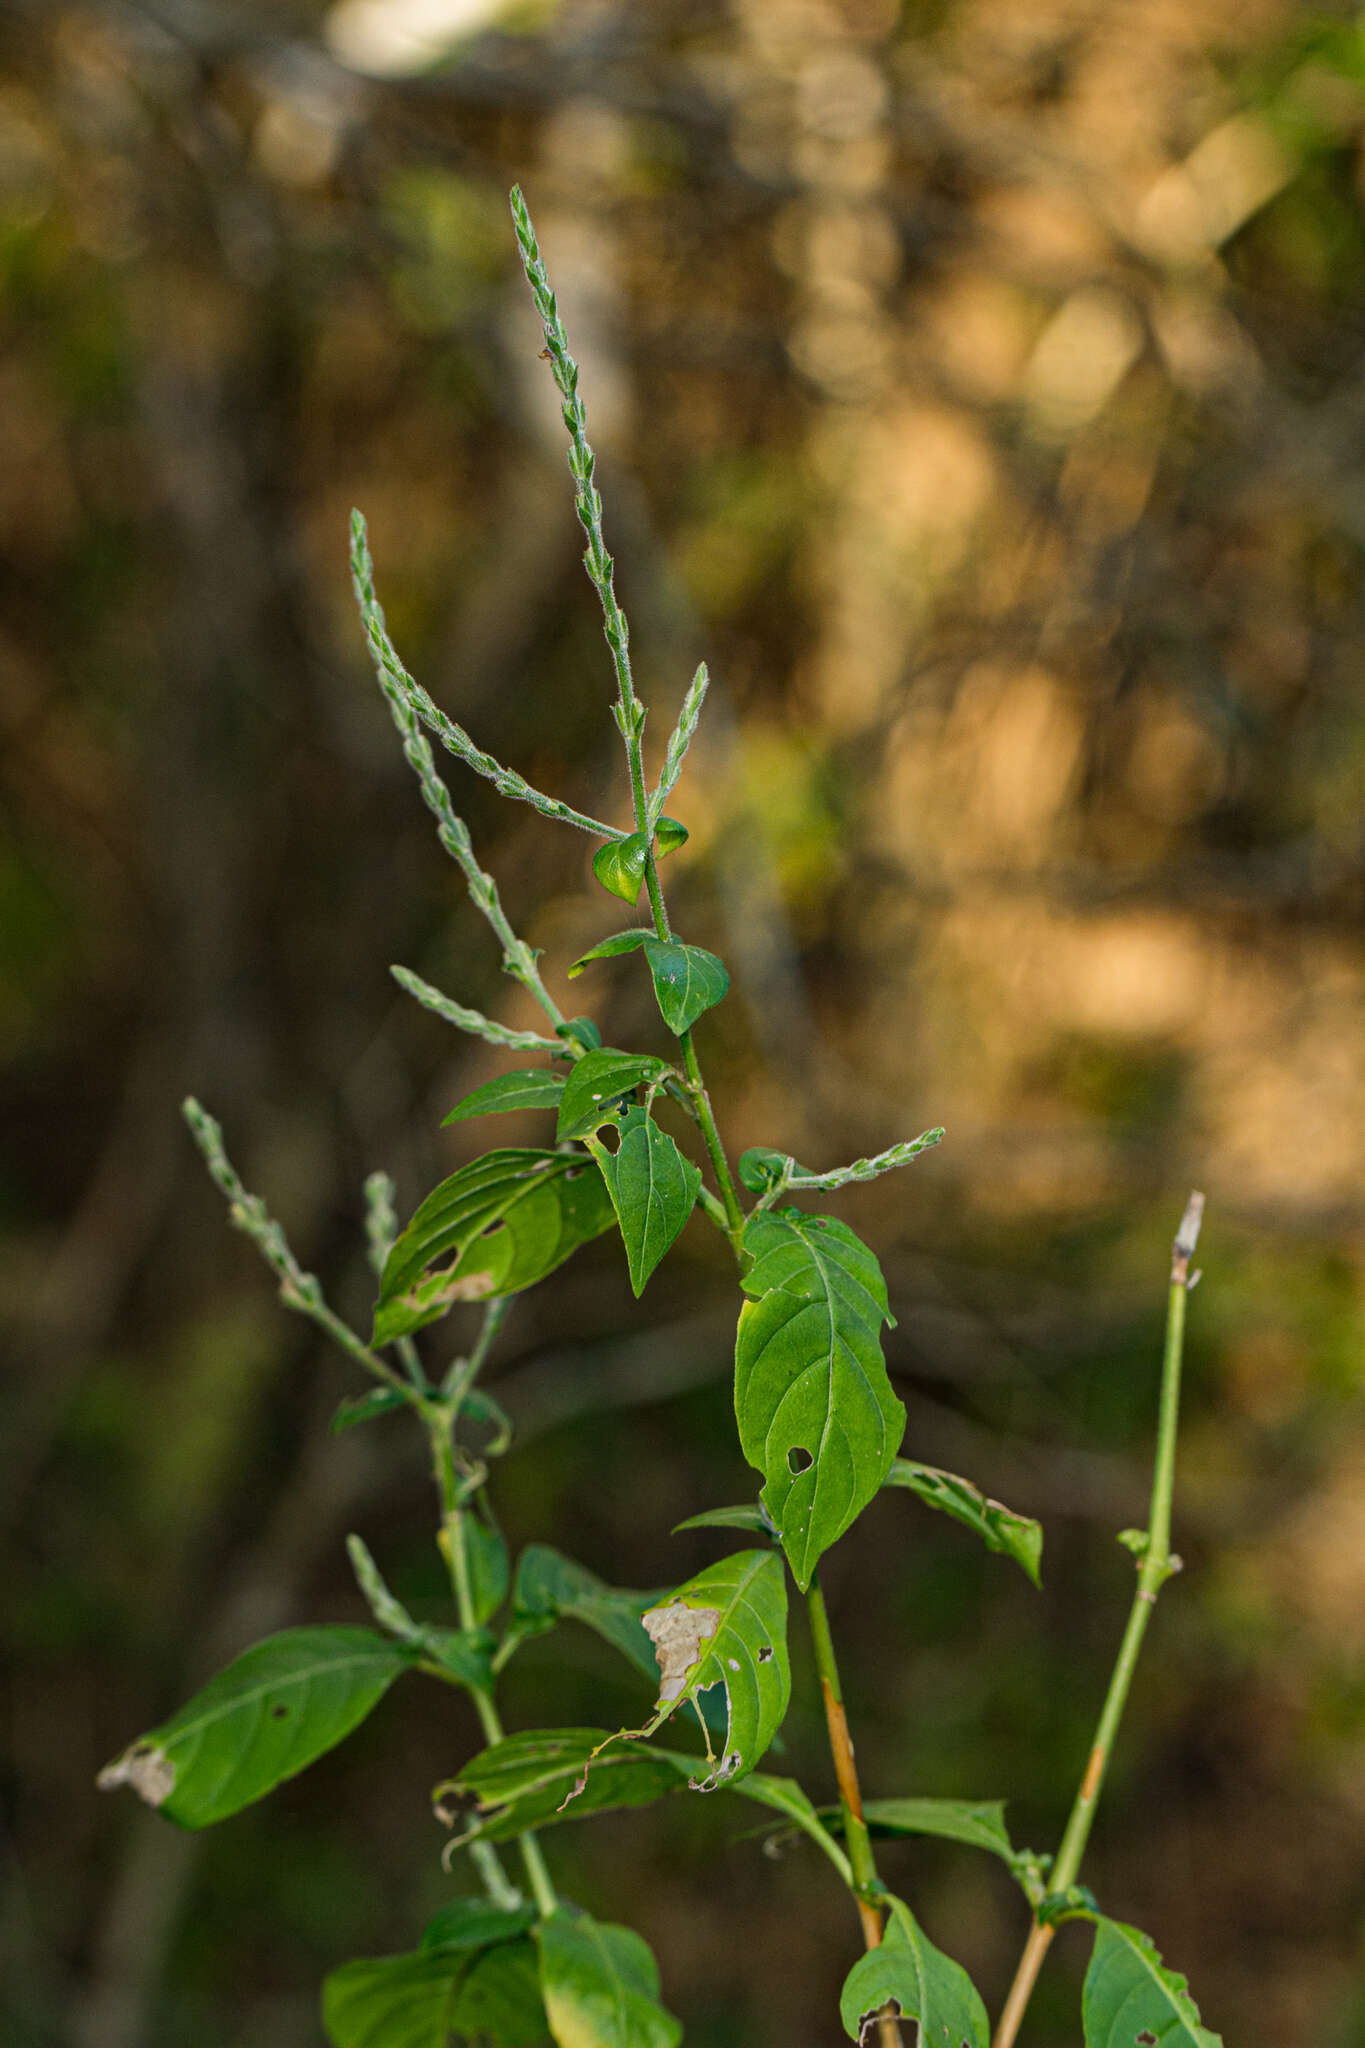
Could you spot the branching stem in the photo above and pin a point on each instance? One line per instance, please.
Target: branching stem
(1156, 1565)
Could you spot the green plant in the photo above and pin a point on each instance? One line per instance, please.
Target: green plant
(817, 1418)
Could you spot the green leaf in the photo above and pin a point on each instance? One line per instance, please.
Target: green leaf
(418, 2001)
(532, 1780)
(527, 1088)
(727, 1626)
(1131, 1996)
(620, 942)
(503, 1222)
(652, 1187)
(580, 1031)
(475, 1923)
(815, 1408)
(273, 1711)
(620, 866)
(601, 1986)
(748, 1516)
(761, 1167)
(550, 1585)
(1000, 1529)
(465, 1652)
(928, 1987)
(980, 1823)
(487, 1562)
(597, 1084)
(365, 1407)
(687, 981)
(670, 836)
(785, 1796)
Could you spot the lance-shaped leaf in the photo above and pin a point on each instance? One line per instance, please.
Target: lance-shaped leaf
(748, 1515)
(273, 1711)
(531, 1780)
(420, 2000)
(550, 1585)
(1000, 1529)
(926, 1985)
(496, 1226)
(359, 1408)
(486, 1561)
(1131, 1996)
(601, 1986)
(816, 1413)
(628, 941)
(980, 1823)
(527, 1088)
(727, 1626)
(687, 981)
(652, 1188)
(597, 1084)
(786, 1797)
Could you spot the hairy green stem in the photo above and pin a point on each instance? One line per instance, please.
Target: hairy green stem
(1156, 1565)
(440, 1417)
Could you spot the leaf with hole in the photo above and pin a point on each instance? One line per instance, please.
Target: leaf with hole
(600, 1984)
(420, 2000)
(652, 1187)
(687, 981)
(628, 941)
(1000, 1529)
(272, 1712)
(597, 1084)
(620, 866)
(536, 1779)
(816, 1413)
(550, 1586)
(727, 1626)
(1131, 1997)
(527, 1088)
(496, 1226)
(927, 1986)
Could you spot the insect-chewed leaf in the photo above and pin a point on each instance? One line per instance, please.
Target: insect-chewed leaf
(420, 2000)
(601, 1986)
(273, 1711)
(687, 981)
(1131, 1996)
(1000, 1529)
(928, 1986)
(597, 1084)
(652, 1187)
(628, 941)
(501, 1224)
(550, 1585)
(527, 1088)
(531, 1780)
(727, 1626)
(816, 1413)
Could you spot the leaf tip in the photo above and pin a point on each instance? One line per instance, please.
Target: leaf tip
(146, 1768)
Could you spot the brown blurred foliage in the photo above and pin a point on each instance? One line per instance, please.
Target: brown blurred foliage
(980, 388)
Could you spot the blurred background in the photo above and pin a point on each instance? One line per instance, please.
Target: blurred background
(979, 387)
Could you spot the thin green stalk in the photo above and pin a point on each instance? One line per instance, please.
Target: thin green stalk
(1156, 1565)
(299, 1291)
(867, 1886)
(440, 1419)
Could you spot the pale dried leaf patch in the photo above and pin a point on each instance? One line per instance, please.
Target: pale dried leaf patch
(678, 1633)
(146, 1768)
